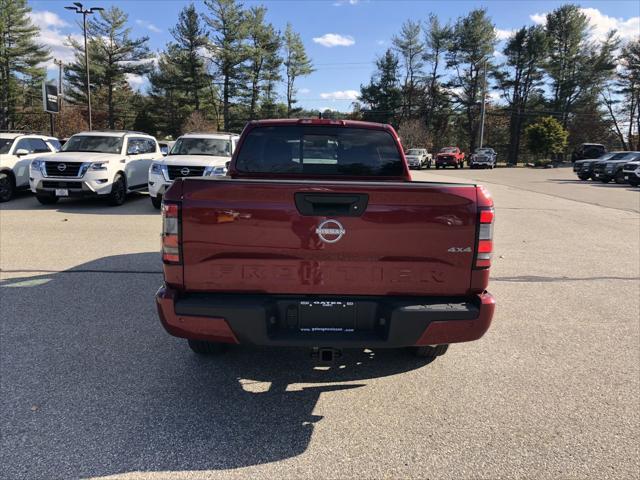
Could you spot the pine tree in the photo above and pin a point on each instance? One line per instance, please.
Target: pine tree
(437, 42)
(20, 56)
(229, 31)
(410, 49)
(113, 55)
(472, 44)
(522, 73)
(383, 95)
(262, 56)
(169, 101)
(296, 64)
(190, 38)
(575, 65)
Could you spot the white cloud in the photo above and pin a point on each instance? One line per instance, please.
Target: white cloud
(148, 25)
(304, 91)
(47, 19)
(136, 82)
(334, 40)
(601, 24)
(498, 55)
(340, 95)
(340, 3)
(538, 18)
(503, 34)
(52, 37)
(381, 42)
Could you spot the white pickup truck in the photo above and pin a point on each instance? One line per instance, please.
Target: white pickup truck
(16, 152)
(193, 155)
(106, 163)
(419, 158)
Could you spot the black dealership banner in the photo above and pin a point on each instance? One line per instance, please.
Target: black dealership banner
(50, 98)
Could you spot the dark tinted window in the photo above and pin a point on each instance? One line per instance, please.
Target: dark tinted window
(5, 144)
(24, 144)
(93, 143)
(319, 150)
(38, 145)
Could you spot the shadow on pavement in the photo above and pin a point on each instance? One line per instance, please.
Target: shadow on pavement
(136, 204)
(594, 183)
(92, 385)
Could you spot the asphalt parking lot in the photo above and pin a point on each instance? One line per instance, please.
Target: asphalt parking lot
(92, 386)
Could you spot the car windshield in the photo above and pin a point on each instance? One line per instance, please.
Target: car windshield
(93, 143)
(624, 156)
(483, 150)
(606, 156)
(320, 150)
(219, 147)
(448, 150)
(414, 151)
(5, 144)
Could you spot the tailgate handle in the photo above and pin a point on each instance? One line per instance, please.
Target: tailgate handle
(332, 204)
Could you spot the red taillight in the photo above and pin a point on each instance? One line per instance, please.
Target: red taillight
(486, 216)
(171, 233)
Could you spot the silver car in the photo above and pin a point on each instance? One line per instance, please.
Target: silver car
(483, 158)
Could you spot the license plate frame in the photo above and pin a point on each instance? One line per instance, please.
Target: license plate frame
(327, 316)
(62, 192)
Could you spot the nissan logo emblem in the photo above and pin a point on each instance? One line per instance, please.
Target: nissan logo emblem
(185, 171)
(62, 167)
(330, 231)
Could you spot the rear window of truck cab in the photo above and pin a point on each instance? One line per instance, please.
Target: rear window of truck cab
(319, 150)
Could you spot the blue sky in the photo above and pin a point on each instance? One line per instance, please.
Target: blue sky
(342, 37)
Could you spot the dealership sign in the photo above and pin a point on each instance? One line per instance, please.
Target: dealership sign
(50, 98)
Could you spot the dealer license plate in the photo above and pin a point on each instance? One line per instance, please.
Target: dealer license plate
(62, 192)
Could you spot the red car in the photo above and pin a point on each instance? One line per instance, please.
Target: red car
(320, 239)
(450, 157)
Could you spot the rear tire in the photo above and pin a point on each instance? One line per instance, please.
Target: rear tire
(584, 177)
(47, 199)
(202, 347)
(429, 351)
(620, 178)
(7, 187)
(157, 201)
(118, 193)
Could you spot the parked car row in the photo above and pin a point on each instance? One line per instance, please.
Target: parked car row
(621, 167)
(16, 152)
(107, 164)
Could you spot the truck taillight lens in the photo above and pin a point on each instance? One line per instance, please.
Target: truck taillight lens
(171, 233)
(486, 215)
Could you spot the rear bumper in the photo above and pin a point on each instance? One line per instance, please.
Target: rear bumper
(278, 320)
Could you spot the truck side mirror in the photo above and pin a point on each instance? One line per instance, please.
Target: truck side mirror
(22, 151)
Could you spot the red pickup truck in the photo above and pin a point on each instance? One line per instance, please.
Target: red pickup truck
(319, 238)
(450, 156)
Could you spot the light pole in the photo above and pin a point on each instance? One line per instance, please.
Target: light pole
(78, 8)
(484, 101)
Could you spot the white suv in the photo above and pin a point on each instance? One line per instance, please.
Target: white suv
(99, 163)
(16, 152)
(193, 155)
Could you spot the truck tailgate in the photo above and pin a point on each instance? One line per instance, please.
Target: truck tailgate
(413, 238)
